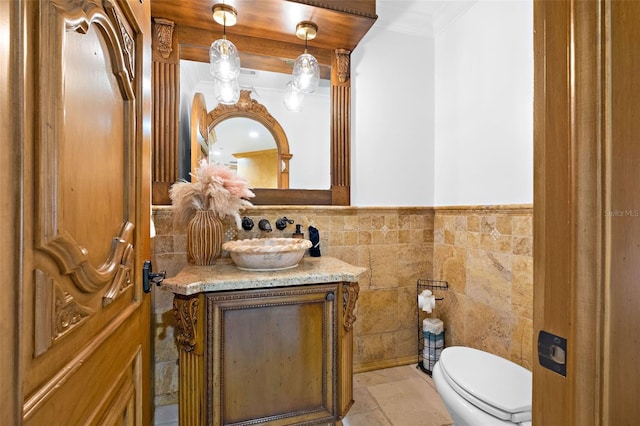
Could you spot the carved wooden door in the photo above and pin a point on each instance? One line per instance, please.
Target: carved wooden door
(85, 320)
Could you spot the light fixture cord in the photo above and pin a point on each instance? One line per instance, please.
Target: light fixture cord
(224, 25)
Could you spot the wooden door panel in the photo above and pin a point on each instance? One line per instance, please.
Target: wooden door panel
(271, 355)
(86, 150)
(94, 386)
(90, 125)
(282, 341)
(85, 336)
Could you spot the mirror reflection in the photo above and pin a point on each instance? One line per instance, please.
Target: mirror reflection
(247, 147)
(245, 144)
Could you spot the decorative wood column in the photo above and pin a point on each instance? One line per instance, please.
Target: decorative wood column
(189, 313)
(345, 347)
(166, 90)
(341, 127)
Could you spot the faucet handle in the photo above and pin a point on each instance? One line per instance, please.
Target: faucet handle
(247, 223)
(264, 225)
(282, 223)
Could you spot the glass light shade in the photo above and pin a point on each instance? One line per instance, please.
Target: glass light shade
(293, 98)
(306, 73)
(227, 92)
(224, 60)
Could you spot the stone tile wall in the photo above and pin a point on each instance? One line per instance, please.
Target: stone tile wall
(486, 256)
(484, 253)
(395, 244)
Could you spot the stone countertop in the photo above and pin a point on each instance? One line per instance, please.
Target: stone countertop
(224, 275)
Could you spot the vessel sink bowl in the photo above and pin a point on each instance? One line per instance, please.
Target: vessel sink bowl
(267, 254)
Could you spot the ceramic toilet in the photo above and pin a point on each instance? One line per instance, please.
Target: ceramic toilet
(482, 389)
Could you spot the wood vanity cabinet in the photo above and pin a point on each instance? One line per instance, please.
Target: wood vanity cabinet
(277, 355)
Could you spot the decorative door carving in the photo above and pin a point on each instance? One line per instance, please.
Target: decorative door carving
(85, 349)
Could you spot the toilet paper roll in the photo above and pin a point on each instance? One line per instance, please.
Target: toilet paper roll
(431, 353)
(433, 325)
(426, 301)
(433, 340)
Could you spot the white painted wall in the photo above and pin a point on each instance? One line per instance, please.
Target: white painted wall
(484, 106)
(455, 127)
(392, 120)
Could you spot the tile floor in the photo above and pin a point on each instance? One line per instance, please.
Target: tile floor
(398, 396)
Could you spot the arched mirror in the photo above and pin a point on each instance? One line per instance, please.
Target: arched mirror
(243, 136)
(248, 147)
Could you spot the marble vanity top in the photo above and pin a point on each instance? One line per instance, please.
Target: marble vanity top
(224, 275)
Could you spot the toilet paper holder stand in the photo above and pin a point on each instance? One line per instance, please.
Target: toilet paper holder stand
(428, 353)
(429, 284)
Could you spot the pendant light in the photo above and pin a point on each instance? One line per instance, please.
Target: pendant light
(306, 71)
(293, 98)
(227, 92)
(224, 60)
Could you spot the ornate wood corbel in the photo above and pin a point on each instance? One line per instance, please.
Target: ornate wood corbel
(186, 313)
(351, 291)
(164, 36)
(343, 59)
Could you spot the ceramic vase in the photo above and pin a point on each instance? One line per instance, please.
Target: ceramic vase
(205, 235)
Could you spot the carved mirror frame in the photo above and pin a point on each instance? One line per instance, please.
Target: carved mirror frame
(246, 107)
(167, 52)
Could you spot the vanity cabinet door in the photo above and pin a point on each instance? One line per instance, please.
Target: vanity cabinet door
(271, 355)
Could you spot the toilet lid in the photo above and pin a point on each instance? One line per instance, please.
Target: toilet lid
(493, 384)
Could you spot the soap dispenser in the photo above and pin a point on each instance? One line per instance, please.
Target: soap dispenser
(298, 233)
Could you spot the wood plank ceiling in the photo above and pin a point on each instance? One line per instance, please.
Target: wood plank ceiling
(342, 24)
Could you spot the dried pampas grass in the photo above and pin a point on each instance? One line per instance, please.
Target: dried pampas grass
(216, 188)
